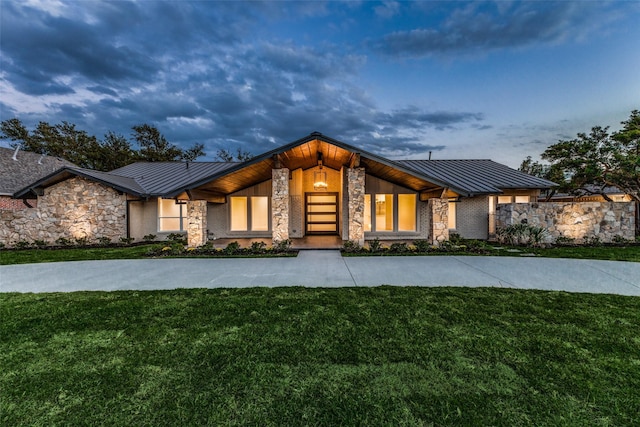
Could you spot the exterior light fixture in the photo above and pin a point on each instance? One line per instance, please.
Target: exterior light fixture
(320, 180)
(320, 176)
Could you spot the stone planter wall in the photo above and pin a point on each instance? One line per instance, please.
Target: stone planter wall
(575, 220)
(73, 209)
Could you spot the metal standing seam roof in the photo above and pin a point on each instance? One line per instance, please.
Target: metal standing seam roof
(165, 179)
(476, 176)
(161, 178)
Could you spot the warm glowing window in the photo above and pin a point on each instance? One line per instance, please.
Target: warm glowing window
(260, 213)
(384, 212)
(504, 199)
(171, 215)
(249, 213)
(522, 199)
(406, 212)
(367, 212)
(452, 215)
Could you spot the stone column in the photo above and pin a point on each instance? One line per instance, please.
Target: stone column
(280, 204)
(355, 191)
(438, 220)
(196, 223)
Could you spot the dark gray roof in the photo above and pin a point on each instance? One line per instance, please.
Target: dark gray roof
(476, 176)
(139, 179)
(168, 179)
(161, 178)
(29, 167)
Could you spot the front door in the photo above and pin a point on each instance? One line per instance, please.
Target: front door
(321, 213)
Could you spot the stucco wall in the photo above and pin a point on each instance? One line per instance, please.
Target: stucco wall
(73, 209)
(575, 220)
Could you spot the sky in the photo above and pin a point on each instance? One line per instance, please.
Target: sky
(500, 80)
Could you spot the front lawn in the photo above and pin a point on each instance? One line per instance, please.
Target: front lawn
(296, 356)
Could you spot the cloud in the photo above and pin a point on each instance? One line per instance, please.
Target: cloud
(201, 72)
(479, 28)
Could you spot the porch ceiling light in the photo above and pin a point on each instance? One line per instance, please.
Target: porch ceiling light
(320, 180)
(320, 177)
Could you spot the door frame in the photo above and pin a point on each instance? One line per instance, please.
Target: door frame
(306, 213)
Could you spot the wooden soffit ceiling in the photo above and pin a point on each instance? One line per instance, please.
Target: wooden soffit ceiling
(306, 156)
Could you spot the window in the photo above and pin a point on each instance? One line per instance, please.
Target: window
(390, 212)
(452, 216)
(367, 212)
(522, 199)
(249, 213)
(171, 215)
(406, 212)
(504, 199)
(384, 212)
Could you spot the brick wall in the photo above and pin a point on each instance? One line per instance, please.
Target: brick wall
(6, 202)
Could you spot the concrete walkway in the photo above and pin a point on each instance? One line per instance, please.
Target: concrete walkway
(325, 268)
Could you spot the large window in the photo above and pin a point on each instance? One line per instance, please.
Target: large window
(390, 212)
(171, 215)
(249, 213)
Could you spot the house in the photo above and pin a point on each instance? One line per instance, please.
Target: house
(20, 168)
(313, 186)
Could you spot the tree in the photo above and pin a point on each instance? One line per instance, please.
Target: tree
(77, 146)
(627, 172)
(225, 155)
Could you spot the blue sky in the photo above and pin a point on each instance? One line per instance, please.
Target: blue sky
(500, 80)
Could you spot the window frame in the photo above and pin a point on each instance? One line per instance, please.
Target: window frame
(395, 212)
(249, 213)
(182, 205)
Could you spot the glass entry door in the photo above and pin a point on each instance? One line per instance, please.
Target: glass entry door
(321, 213)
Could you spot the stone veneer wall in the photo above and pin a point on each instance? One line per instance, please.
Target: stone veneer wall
(280, 204)
(196, 223)
(355, 192)
(73, 209)
(438, 220)
(575, 220)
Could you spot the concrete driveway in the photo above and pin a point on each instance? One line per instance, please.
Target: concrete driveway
(325, 268)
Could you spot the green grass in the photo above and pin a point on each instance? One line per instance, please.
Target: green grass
(613, 253)
(293, 356)
(28, 256)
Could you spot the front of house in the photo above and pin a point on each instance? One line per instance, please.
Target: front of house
(313, 186)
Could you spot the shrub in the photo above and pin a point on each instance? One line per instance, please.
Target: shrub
(565, 241)
(620, 240)
(232, 248)
(22, 244)
(592, 241)
(422, 246)
(282, 246)
(351, 247)
(375, 245)
(40, 243)
(63, 241)
(177, 238)
(82, 241)
(126, 240)
(258, 247)
(2, 245)
(522, 234)
(399, 248)
(149, 237)
(104, 241)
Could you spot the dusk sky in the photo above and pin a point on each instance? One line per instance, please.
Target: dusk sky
(499, 80)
